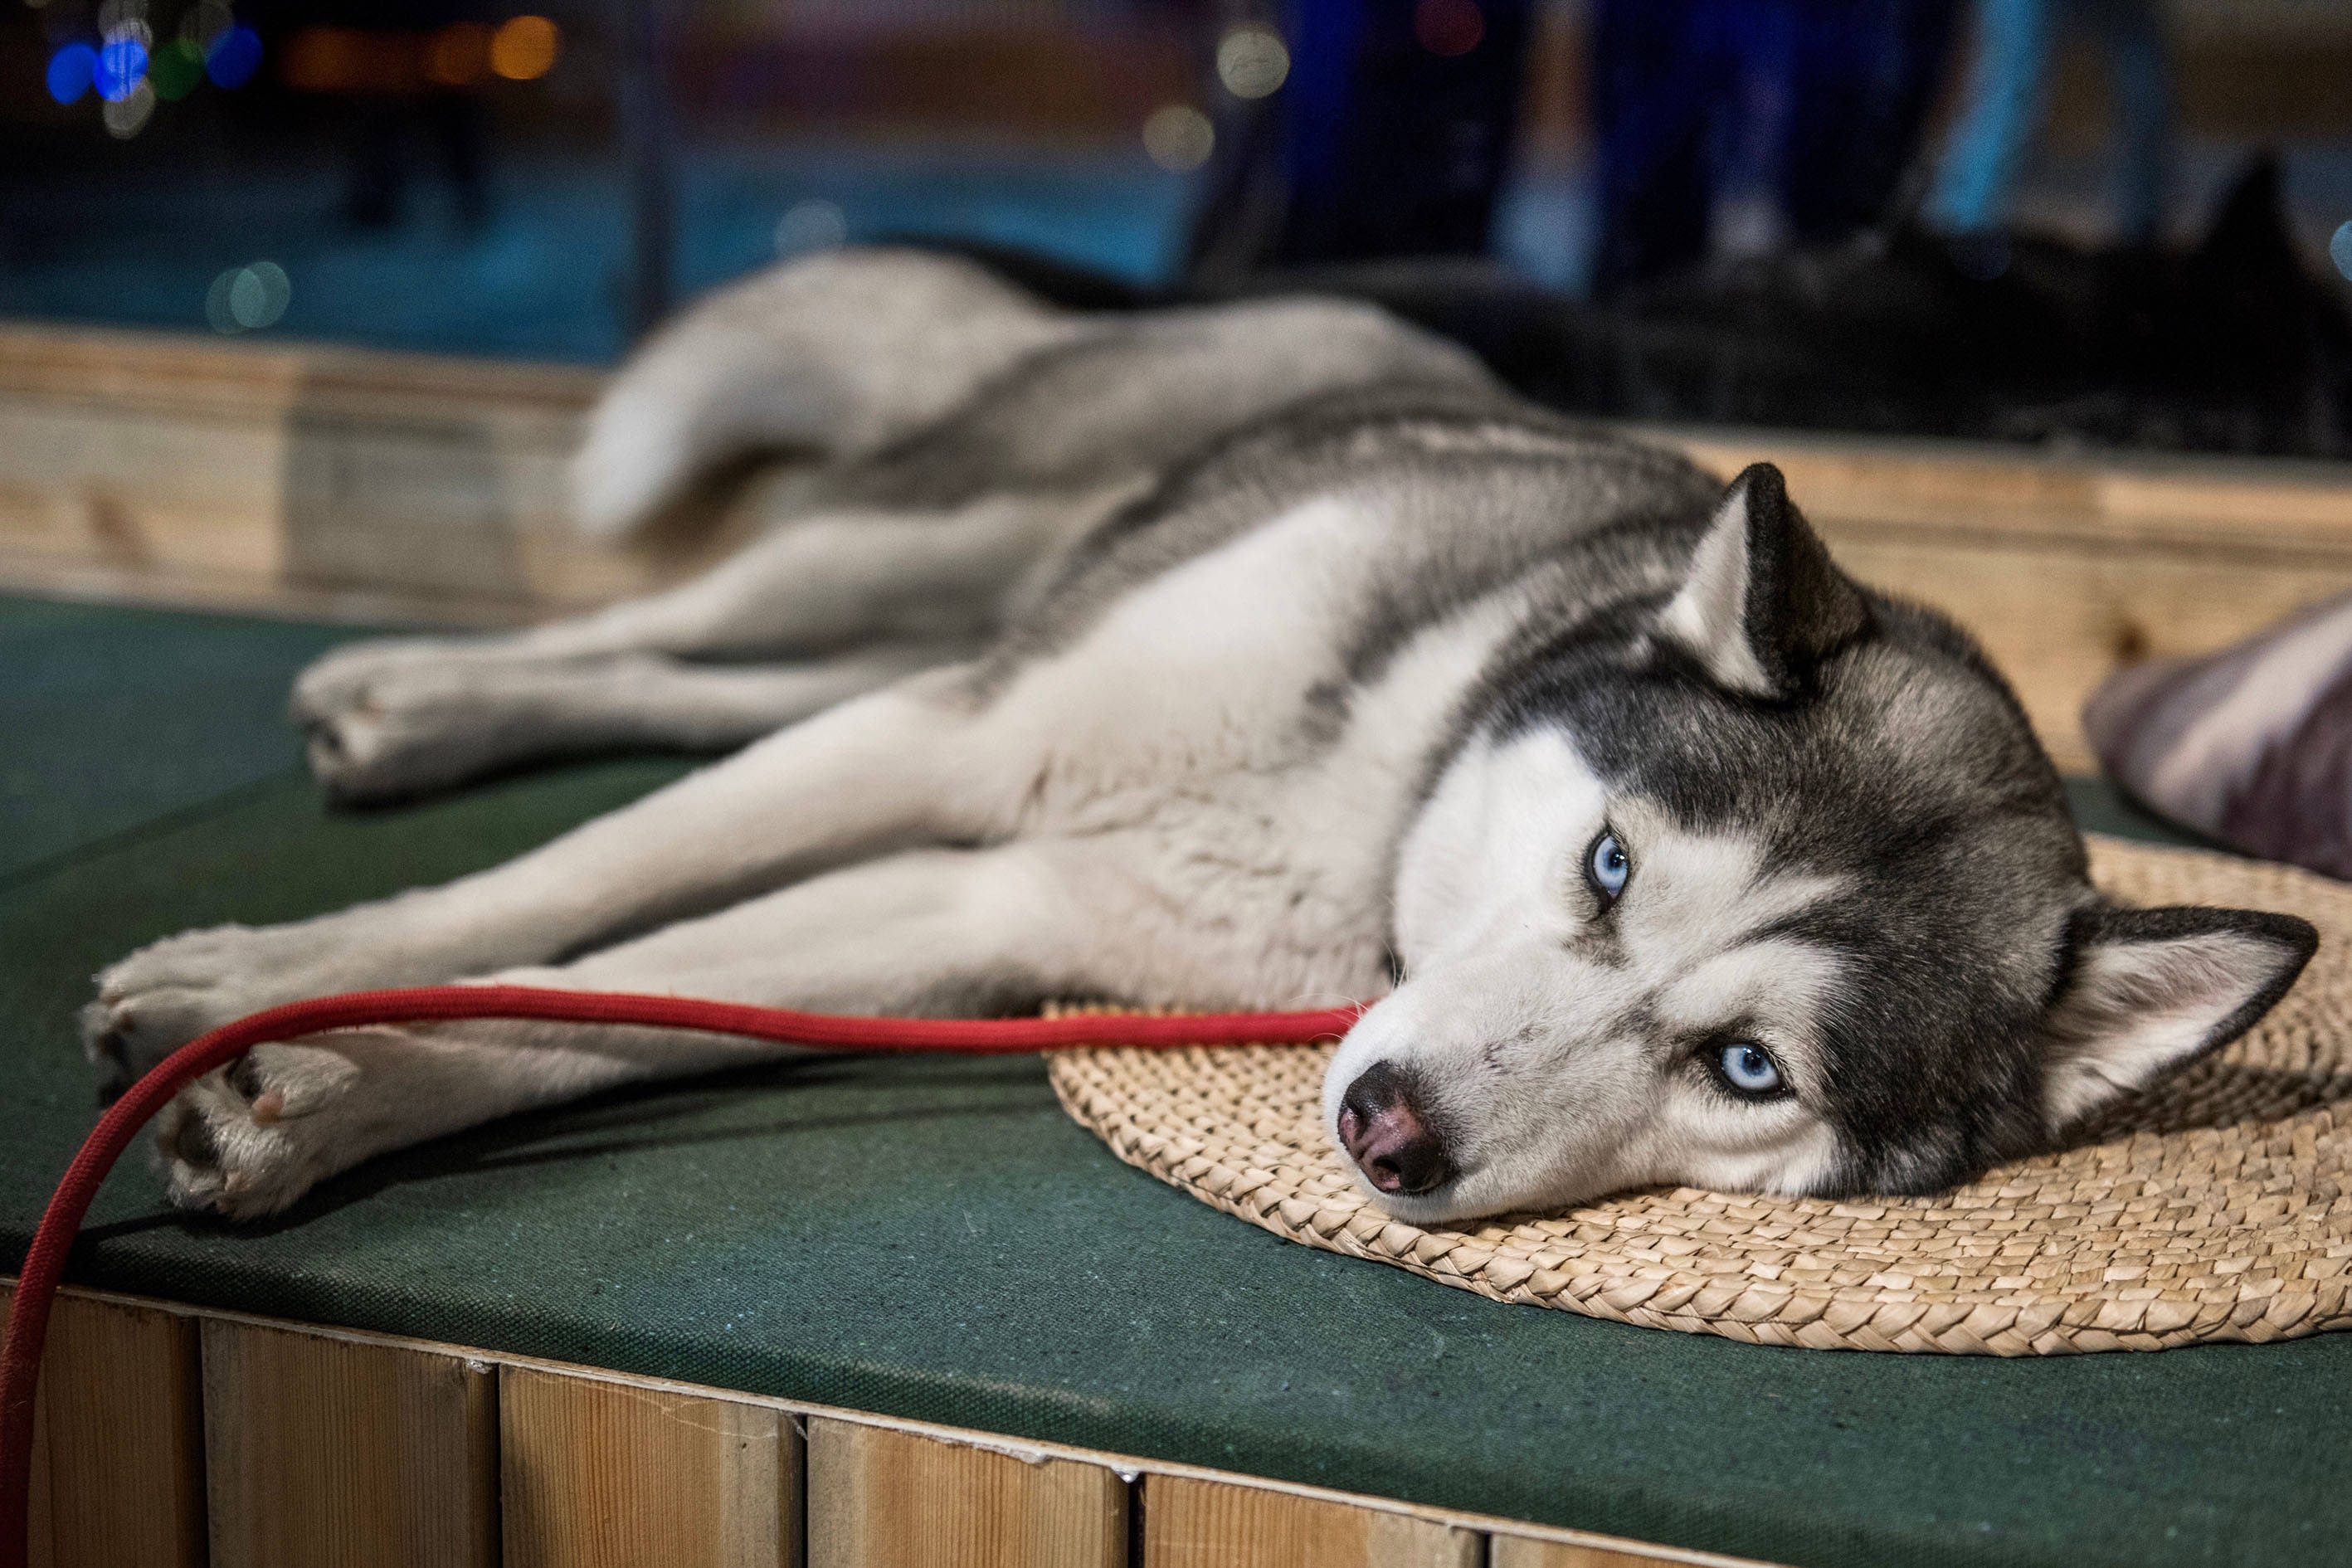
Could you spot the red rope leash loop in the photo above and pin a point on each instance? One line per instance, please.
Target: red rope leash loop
(36, 1284)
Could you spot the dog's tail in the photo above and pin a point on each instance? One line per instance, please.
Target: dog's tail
(830, 355)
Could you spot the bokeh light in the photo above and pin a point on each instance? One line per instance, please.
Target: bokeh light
(1178, 137)
(126, 116)
(2339, 249)
(812, 225)
(247, 299)
(175, 68)
(73, 70)
(1252, 61)
(203, 25)
(234, 57)
(125, 19)
(458, 55)
(325, 60)
(1448, 27)
(524, 48)
(121, 67)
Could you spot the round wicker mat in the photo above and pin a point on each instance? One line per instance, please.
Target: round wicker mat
(2211, 1208)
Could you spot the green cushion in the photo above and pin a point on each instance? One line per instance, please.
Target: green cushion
(111, 718)
(932, 1239)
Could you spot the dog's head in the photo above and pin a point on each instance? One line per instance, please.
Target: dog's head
(1761, 883)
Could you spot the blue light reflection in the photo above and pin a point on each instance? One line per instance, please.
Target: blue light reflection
(121, 66)
(235, 56)
(72, 70)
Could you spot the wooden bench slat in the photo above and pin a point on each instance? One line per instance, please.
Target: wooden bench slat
(1189, 1523)
(321, 1450)
(881, 1498)
(597, 1474)
(118, 1445)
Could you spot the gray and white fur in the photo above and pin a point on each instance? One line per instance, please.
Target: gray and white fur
(1252, 657)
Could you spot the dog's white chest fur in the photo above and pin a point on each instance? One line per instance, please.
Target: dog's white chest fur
(1206, 733)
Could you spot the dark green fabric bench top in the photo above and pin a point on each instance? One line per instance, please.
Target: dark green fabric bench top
(932, 1237)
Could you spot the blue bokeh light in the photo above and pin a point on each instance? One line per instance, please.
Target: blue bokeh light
(235, 56)
(72, 70)
(2339, 249)
(121, 66)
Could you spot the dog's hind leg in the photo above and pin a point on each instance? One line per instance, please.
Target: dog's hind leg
(936, 932)
(917, 763)
(426, 725)
(872, 592)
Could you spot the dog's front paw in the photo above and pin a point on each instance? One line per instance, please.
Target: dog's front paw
(250, 1139)
(168, 993)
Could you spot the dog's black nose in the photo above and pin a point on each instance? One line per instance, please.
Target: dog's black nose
(1384, 1131)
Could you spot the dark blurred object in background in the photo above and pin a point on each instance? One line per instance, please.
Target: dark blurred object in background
(1356, 129)
(1738, 127)
(410, 70)
(2231, 345)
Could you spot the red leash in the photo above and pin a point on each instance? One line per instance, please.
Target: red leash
(36, 1286)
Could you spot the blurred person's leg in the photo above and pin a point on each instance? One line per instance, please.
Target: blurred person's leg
(2007, 92)
(378, 175)
(1758, 43)
(2141, 68)
(1389, 136)
(1656, 96)
(1867, 72)
(459, 127)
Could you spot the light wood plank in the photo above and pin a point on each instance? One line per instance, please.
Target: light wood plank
(302, 467)
(880, 1498)
(598, 1474)
(321, 1450)
(1517, 1552)
(117, 1454)
(1928, 486)
(1189, 1523)
(1507, 1551)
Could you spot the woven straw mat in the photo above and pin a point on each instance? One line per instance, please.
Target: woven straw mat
(2212, 1207)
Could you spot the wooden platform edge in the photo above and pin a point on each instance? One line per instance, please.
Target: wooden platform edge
(1582, 1547)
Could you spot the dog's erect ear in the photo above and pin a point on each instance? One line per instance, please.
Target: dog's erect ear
(2149, 991)
(1764, 602)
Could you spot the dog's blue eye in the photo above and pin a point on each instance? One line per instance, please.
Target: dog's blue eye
(1748, 1068)
(1608, 865)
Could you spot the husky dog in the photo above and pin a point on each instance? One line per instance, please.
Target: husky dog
(1259, 656)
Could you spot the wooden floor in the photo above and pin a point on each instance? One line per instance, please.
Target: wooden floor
(171, 1437)
(362, 485)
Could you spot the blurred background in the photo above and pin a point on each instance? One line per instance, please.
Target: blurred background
(2082, 221)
